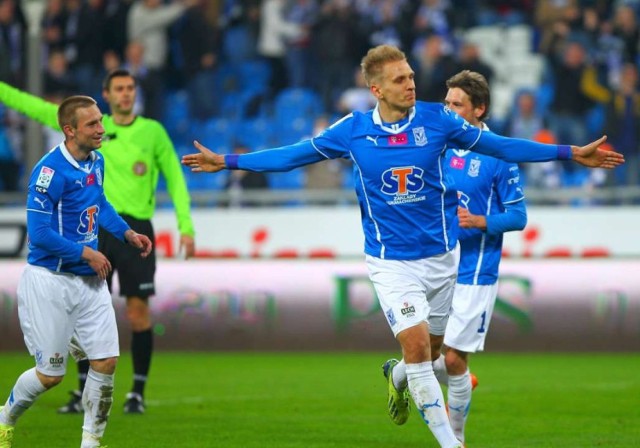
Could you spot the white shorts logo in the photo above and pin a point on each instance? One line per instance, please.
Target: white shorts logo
(45, 176)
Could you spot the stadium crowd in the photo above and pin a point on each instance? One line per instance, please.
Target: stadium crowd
(260, 73)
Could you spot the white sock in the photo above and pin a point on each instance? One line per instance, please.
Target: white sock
(26, 390)
(399, 373)
(440, 369)
(459, 402)
(97, 399)
(429, 400)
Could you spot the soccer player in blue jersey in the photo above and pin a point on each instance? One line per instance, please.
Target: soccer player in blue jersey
(63, 300)
(491, 202)
(408, 205)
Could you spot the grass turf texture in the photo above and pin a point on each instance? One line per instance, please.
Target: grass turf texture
(293, 400)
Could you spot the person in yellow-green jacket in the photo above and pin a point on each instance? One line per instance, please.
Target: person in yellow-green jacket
(135, 150)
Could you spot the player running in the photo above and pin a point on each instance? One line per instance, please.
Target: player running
(408, 206)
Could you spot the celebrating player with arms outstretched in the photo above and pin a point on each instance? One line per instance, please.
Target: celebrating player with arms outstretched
(408, 206)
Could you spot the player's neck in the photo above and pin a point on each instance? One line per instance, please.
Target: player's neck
(79, 154)
(391, 115)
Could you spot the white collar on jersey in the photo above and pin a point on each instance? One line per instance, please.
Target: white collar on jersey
(377, 120)
(464, 152)
(67, 155)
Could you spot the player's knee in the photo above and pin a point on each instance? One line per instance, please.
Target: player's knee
(456, 362)
(48, 381)
(106, 366)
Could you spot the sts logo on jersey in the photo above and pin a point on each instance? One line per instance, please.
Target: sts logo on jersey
(88, 222)
(403, 183)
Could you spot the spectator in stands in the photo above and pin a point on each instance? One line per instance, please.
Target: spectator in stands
(199, 45)
(115, 29)
(526, 122)
(469, 59)
(241, 181)
(435, 64)
(337, 40)
(622, 125)
(52, 25)
(625, 27)
(58, 81)
(12, 43)
(134, 64)
(299, 56)
(148, 22)
(570, 103)
(552, 17)
(274, 31)
(432, 17)
(84, 44)
(357, 97)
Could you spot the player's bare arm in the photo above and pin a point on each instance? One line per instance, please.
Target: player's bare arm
(97, 261)
(139, 241)
(466, 220)
(593, 156)
(205, 161)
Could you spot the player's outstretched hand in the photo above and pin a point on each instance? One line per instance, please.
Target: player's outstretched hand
(593, 156)
(205, 161)
(140, 241)
(97, 261)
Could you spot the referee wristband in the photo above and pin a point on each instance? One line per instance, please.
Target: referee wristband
(564, 152)
(231, 160)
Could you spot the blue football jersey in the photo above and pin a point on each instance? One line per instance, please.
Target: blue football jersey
(485, 186)
(407, 200)
(65, 206)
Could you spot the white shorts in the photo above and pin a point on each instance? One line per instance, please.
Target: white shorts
(54, 308)
(414, 291)
(470, 317)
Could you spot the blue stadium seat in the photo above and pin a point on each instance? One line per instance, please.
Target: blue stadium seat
(176, 114)
(295, 103)
(254, 76)
(293, 130)
(256, 133)
(595, 119)
(290, 180)
(215, 133)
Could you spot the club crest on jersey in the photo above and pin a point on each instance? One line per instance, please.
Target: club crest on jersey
(139, 168)
(398, 139)
(420, 136)
(474, 168)
(45, 177)
(91, 179)
(99, 176)
(89, 220)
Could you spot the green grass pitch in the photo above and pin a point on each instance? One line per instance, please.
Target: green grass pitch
(296, 400)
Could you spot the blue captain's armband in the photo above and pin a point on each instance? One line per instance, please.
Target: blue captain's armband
(564, 152)
(231, 160)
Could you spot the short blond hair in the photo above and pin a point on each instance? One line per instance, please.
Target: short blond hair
(67, 110)
(376, 58)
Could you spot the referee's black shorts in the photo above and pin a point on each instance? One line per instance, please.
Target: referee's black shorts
(136, 274)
